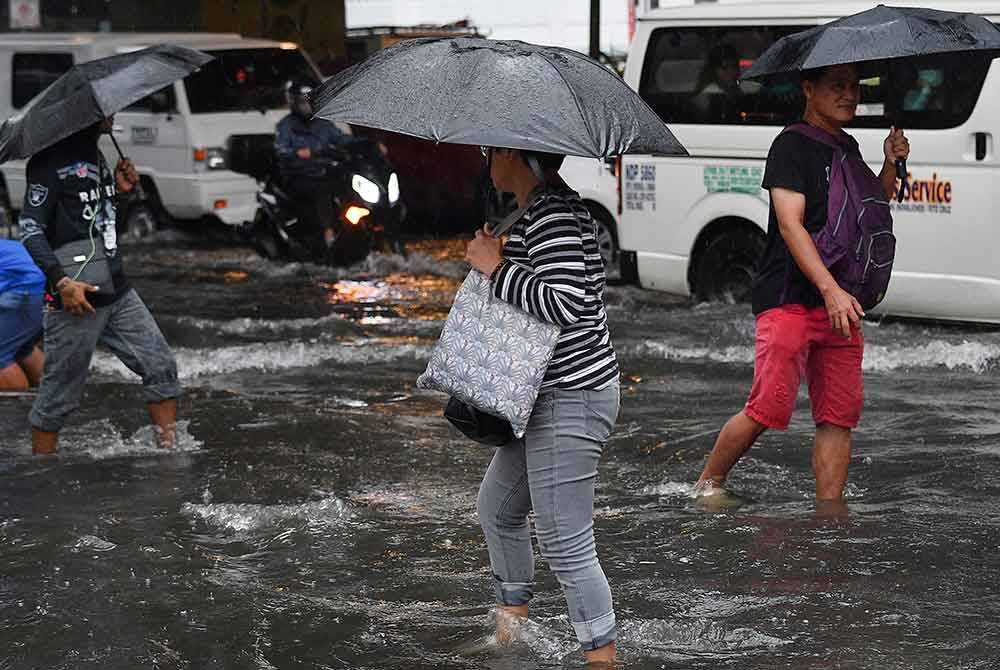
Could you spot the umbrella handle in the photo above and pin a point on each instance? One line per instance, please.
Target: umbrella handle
(901, 175)
(114, 141)
(138, 186)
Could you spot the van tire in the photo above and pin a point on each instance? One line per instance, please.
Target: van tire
(728, 265)
(139, 222)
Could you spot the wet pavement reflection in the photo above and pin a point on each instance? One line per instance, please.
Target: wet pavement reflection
(318, 513)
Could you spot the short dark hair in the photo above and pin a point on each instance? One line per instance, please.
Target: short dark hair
(813, 75)
(546, 160)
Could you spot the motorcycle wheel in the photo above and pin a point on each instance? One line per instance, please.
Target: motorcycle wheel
(262, 238)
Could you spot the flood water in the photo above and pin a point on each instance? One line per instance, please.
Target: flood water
(319, 514)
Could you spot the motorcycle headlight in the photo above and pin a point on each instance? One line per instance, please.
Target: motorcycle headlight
(393, 188)
(366, 188)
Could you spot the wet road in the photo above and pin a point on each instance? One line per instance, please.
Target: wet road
(319, 514)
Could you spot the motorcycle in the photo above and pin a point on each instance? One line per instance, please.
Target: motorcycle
(366, 201)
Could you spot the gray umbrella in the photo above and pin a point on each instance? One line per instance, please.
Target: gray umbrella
(496, 93)
(91, 91)
(879, 34)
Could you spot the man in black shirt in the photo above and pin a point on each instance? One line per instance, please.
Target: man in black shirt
(806, 323)
(70, 198)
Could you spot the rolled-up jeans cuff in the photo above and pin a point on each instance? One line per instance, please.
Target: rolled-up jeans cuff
(162, 391)
(597, 632)
(44, 423)
(512, 594)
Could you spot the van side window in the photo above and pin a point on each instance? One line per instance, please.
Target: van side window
(162, 101)
(691, 75)
(33, 72)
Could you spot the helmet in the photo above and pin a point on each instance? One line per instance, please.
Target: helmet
(298, 94)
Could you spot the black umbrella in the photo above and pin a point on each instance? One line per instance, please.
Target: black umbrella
(92, 91)
(879, 34)
(496, 93)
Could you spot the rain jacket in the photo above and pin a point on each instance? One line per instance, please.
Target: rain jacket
(294, 133)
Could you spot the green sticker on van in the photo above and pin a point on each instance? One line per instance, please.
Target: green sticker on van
(733, 179)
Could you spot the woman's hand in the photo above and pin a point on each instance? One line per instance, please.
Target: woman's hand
(484, 252)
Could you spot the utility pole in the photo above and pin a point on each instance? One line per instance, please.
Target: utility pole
(595, 29)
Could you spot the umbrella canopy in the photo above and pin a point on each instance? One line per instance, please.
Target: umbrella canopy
(91, 91)
(879, 34)
(496, 93)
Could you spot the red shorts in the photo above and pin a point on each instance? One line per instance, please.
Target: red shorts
(792, 340)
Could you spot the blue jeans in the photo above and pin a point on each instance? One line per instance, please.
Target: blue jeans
(20, 325)
(552, 470)
(126, 328)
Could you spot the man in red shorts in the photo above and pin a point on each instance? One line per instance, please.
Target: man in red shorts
(806, 323)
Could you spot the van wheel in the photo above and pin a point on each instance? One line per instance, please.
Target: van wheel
(728, 266)
(607, 242)
(138, 223)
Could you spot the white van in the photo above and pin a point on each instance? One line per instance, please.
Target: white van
(596, 182)
(178, 137)
(695, 225)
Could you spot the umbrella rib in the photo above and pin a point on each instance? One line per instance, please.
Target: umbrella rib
(576, 100)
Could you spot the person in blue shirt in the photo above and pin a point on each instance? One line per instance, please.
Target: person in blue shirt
(22, 290)
(302, 145)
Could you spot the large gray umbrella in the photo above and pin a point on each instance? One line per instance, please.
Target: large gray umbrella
(496, 93)
(91, 91)
(879, 34)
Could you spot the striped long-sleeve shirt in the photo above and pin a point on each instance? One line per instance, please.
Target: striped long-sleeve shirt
(555, 272)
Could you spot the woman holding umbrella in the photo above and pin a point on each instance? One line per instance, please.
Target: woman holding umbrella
(551, 268)
(528, 106)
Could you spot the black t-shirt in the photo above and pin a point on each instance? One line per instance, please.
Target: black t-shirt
(70, 196)
(798, 164)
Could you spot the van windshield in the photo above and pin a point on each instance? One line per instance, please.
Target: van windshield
(240, 80)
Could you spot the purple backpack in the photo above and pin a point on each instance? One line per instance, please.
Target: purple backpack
(856, 244)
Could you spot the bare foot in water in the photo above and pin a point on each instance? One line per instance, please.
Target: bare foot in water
(714, 497)
(508, 620)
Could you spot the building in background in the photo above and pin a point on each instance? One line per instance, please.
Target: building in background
(564, 23)
(362, 42)
(318, 25)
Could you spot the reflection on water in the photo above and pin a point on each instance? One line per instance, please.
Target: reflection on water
(320, 514)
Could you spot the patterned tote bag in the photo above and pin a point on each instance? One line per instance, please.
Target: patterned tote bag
(491, 354)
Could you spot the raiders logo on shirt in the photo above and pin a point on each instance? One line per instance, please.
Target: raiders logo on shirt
(37, 194)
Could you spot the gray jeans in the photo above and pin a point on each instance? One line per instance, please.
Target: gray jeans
(126, 328)
(552, 470)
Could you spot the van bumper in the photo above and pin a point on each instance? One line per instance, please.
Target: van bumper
(226, 195)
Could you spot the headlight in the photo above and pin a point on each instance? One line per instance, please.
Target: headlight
(366, 188)
(393, 188)
(354, 214)
(212, 158)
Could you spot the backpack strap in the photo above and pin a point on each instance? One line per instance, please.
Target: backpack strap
(844, 143)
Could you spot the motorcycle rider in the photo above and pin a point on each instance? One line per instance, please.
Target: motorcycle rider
(300, 142)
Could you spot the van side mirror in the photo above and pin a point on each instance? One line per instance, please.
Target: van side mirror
(159, 103)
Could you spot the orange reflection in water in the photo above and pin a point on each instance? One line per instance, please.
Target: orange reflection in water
(424, 298)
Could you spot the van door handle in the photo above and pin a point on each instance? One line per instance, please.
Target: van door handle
(117, 129)
(982, 144)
